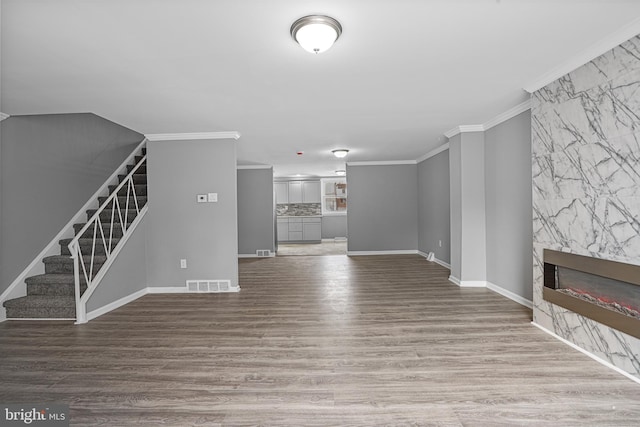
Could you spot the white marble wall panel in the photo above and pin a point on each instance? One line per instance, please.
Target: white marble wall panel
(586, 185)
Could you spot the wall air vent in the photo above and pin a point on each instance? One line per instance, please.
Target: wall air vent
(210, 286)
(263, 253)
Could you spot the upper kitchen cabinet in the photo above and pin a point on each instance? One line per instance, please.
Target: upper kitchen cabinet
(295, 191)
(300, 191)
(311, 192)
(282, 192)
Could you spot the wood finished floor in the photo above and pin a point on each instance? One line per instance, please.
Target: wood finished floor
(315, 341)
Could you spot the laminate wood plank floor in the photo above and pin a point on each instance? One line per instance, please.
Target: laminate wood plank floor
(315, 341)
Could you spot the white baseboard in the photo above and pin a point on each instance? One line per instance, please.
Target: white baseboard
(436, 260)
(167, 290)
(473, 284)
(399, 252)
(591, 355)
(512, 296)
(442, 263)
(468, 283)
(116, 304)
(273, 254)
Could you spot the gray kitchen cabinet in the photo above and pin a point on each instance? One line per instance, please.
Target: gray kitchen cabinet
(295, 236)
(283, 230)
(295, 229)
(312, 229)
(299, 229)
(295, 192)
(282, 192)
(311, 192)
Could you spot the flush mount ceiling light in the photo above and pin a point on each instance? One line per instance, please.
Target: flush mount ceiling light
(341, 172)
(340, 153)
(316, 33)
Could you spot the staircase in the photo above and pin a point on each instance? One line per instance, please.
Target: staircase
(52, 295)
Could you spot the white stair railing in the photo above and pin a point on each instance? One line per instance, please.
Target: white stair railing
(102, 233)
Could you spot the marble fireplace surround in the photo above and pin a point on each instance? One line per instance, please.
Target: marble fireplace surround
(597, 272)
(585, 140)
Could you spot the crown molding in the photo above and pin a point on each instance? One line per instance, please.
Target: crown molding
(614, 39)
(510, 113)
(462, 129)
(382, 163)
(3, 116)
(191, 136)
(471, 128)
(500, 118)
(241, 167)
(432, 153)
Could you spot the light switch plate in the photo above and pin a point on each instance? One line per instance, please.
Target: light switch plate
(212, 197)
(202, 198)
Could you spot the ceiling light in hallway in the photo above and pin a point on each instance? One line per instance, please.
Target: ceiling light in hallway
(340, 153)
(316, 33)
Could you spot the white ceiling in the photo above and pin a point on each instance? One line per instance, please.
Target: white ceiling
(402, 73)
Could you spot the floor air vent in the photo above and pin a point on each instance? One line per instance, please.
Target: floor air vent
(263, 253)
(209, 286)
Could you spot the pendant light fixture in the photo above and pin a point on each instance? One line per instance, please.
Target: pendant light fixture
(316, 33)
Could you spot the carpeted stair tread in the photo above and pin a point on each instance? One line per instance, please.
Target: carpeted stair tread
(51, 279)
(87, 245)
(43, 307)
(141, 169)
(63, 264)
(117, 229)
(42, 301)
(142, 200)
(108, 211)
(66, 259)
(138, 178)
(141, 189)
(89, 241)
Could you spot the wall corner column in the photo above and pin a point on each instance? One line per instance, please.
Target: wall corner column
(467, 209)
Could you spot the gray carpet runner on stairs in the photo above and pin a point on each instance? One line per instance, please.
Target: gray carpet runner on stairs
(52, 295)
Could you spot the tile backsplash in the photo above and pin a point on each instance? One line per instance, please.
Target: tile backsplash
(298, 209)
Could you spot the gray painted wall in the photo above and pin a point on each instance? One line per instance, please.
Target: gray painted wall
(455, 203)
(334, 226)
(508, 205)
(205, 234)
(50, 166)
(255, 210)
(128, 273)
(434, 231)
(383, 207)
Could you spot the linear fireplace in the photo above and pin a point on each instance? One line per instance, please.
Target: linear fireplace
(605, 291)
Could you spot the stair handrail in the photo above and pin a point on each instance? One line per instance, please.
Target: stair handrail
(85, 270)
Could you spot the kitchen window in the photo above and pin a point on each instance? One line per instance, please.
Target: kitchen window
(334, 196)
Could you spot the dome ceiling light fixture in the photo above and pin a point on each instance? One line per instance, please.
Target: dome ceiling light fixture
(316, 33)
(341, 172)
(340, 152)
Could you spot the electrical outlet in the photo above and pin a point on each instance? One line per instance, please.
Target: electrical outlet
(440, 243)
(212, 197)
(202, 198)
(183, 263)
